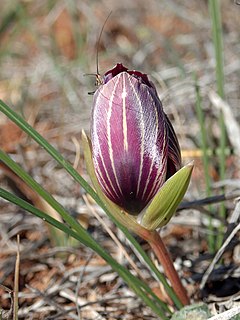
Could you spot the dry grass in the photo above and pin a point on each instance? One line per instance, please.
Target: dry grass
(46, 48)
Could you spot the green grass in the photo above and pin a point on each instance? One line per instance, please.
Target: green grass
(215, 15)
(71, 224)
(17, 19)
(205, 157)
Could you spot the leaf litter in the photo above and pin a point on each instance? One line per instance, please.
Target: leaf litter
(44, 80)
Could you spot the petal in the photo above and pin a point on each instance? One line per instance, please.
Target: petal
(130, 141)
(174, 153)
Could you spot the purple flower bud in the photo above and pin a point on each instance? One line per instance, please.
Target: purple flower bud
(135, 148)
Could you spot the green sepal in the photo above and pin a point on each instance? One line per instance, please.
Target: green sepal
(117, 212)
(164, 204)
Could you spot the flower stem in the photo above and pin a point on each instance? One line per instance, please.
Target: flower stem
(158, 247)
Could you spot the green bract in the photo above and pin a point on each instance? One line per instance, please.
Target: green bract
(164, 204)
(159, 211)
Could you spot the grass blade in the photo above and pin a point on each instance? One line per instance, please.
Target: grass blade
(140, 288)
(205, 157)
(214, 8)
(67, 166)
(16, 281)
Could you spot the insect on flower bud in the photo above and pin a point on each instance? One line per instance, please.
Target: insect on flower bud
(134, 145)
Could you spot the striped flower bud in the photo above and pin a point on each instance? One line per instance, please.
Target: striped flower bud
(134, 146)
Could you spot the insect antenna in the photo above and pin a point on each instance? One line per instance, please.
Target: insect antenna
(98, 76)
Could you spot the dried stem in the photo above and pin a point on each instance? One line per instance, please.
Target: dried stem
(158, 247)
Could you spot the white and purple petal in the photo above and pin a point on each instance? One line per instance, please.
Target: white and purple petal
(130, 138)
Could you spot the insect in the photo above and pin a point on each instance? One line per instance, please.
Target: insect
(97, 75)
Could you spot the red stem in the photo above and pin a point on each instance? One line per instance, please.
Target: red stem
(158, 247)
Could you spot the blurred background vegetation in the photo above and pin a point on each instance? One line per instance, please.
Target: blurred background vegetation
(46, 49)
(48, 46)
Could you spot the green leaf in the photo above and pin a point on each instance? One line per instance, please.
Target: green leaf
(198, 311)
(140, 287)
(164, 204)
(20, 122)
(120, 219)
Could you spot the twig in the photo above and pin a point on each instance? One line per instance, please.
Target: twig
(46, 297)
(16, 281)
(79, 282)
(114, 238)
(231, 123)
(208, 200)
(68, 294)
(218, 256)
(226, 315)
(234, 219)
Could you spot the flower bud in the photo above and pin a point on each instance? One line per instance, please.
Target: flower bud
(134, 145)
